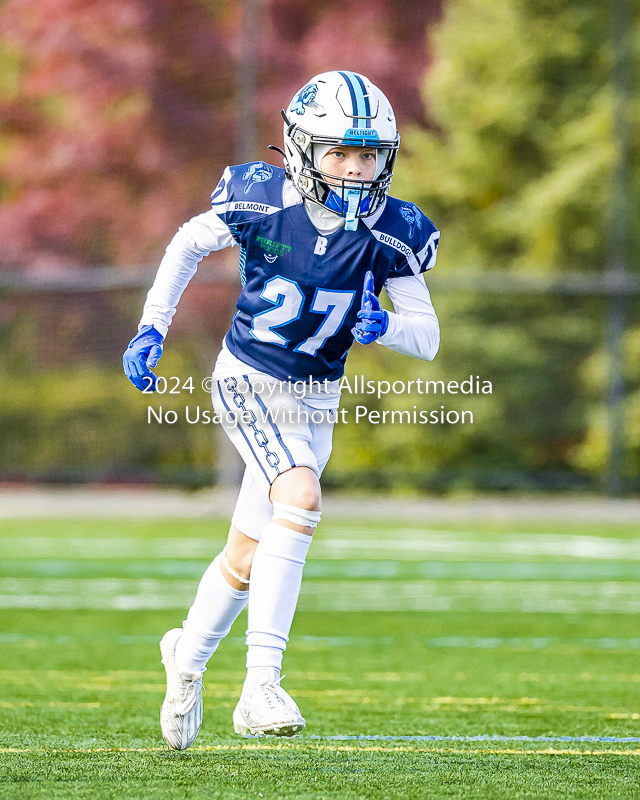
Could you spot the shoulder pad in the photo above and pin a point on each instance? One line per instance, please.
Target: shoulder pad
(248, 191)
(410, 235)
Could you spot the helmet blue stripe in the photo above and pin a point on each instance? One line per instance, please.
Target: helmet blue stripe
(361, 109)
(354, 100)
(367, 106)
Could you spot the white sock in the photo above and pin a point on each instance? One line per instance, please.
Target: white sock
(276, 575)
(210, 618)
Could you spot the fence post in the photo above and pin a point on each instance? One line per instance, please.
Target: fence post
(617, 266)
(247, 75)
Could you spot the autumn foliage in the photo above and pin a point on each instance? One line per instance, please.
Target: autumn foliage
(117, 117)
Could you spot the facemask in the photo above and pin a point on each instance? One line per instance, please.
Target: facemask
(340, 195)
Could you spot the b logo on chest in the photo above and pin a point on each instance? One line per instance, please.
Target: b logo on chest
(321, 246)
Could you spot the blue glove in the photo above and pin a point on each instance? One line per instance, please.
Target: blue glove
(374, 320)
(144, 352)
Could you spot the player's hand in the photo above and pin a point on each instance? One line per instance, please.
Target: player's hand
(374, 320)
(142, 354)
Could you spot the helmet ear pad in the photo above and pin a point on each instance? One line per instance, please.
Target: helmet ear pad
(301, 164)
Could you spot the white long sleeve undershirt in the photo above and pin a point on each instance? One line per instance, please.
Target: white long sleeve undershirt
(413, 329)
(194, 240)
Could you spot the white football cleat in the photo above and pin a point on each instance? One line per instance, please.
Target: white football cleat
(181, 712)
(265, 708)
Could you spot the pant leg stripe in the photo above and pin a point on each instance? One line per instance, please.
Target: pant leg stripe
(246, 437)
(271, 422)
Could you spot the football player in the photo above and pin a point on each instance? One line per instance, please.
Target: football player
(318, 241)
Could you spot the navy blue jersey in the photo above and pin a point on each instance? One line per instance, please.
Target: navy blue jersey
(302, 290)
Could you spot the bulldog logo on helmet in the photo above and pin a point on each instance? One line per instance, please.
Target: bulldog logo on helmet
(257, 173)
(304, 98)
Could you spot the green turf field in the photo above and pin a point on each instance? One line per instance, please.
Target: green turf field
(475, 636)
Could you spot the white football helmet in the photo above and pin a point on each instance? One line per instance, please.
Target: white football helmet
(333, 109)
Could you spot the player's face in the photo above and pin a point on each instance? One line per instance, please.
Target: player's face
(356, 163)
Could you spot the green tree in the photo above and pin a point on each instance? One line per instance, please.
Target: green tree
(516, 171)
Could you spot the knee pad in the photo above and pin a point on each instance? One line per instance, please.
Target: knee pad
(299, 516)
(253, 510)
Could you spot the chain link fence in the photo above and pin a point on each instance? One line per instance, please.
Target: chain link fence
(69, 415)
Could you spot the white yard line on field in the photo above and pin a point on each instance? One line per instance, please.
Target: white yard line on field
(403, 544)
(329, 642)
(317, 746)
(565, 597)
